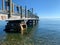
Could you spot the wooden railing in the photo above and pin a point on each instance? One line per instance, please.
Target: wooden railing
(10, 8)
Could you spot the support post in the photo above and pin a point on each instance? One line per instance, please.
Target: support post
(32, 10)
(28, 13)
(6, 5)
(12, 7)
(2, 4)
(17, 9)
(34, 23)
(21, 11)
(9, 7)
(25, 11)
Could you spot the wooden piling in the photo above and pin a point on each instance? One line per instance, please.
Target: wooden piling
(12, 7)
(8, 5)
(17, 9)
(23, 28)
(25, 11)
(21, 11)
(28, 13)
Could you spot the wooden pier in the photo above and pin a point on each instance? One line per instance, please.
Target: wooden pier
(16, 17)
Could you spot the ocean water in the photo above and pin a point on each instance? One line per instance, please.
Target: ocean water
(46, 32)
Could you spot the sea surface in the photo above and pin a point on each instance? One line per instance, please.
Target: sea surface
(46, 32)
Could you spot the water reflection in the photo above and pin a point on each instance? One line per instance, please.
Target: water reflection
(45, 33)
(17, 38)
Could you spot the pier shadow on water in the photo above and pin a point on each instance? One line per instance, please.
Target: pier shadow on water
(15, 38)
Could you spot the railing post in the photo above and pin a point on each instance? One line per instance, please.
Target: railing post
(28, 13)
(9, 6)
(6, 4)
(17, 9)
(21, 11)
(32, 10)
(25, 11)
(12, 7)
(2, 4)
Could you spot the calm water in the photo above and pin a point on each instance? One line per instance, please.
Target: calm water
(47, 32)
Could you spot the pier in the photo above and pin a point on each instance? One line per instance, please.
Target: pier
(16, 15)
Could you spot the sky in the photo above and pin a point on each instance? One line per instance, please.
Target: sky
(43, 8)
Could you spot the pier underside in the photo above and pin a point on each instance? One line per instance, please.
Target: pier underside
(15, 26)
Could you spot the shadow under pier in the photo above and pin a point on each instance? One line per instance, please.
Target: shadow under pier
(13, 26)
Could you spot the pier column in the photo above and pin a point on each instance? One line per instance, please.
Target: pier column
(37, 21)
(34, 23)
(30, 23)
